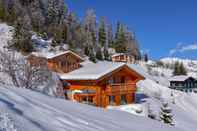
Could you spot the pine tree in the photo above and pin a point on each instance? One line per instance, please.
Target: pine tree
(92, 56)
(146, 57)
(183, 71)
(120, 39)
(2, 11)
(22, 37)
(87, 51)
(99, 54)
(90, 27)
(110, 36)
(176, 69)
(179, 69)
(106, 55)
(52, 12)
(166, 114)
(102, 32)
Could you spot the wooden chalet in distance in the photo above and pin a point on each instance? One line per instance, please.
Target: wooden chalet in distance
(64, 62)
(102, 84)
(123, 57)
(183, 83)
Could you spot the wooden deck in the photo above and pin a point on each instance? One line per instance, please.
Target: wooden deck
(120, 88)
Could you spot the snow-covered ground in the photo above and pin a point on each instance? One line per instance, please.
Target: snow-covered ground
(26, 110)
(32, 111)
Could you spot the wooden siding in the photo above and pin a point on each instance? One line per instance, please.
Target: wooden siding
(123, 58)
(64, 63)
(117, 84)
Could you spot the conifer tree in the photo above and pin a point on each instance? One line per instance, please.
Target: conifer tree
(92, 56)
(146, 57)
(2, 11)
(120, 40)
(179, 69)
(106, 55)
(166, 114)
(102, 32)
(87, 51)
(99, 54)
(22, 37)
(183, 71)
(110, 36)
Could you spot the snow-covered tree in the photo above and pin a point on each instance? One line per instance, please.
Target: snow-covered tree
(166, 114)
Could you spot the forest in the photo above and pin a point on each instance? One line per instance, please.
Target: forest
(90, 36)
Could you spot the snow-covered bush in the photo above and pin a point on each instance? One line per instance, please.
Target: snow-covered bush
(20, 71)
(24, 75)
(166, 114)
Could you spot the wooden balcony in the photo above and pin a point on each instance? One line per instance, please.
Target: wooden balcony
(120, 88)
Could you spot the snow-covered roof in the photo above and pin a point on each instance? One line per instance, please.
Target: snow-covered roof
(179, 78)
(118, 54)
(62, 53)
(139, 70)
(51, 55)
(94, 71)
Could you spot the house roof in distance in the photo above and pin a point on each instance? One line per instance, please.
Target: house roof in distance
(94, 71)
(180, 78)
(56, 54)
(118, 54)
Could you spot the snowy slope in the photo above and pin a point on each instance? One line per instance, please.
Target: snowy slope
(33, 111)
(191, 65)
(156, 87)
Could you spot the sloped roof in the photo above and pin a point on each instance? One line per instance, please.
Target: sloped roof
(94, 71)
(53, 55)
(139, 70)
(180, 78)
(62, 53)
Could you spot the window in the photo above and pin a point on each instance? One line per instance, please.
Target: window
(111, 100)
(123, 99)
(122, 79)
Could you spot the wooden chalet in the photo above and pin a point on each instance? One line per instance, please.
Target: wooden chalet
(183, 83)
(64, 62)
(102, 84)
(123, 57)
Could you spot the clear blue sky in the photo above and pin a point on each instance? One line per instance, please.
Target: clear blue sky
(160, 25)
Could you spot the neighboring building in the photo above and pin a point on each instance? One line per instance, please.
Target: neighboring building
(183, 83)
(102, 84)
(61, 62)
(123, 57)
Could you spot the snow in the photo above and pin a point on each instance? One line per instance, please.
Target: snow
(92, 71)
(179, 78)
(34, 111)
(5, 35)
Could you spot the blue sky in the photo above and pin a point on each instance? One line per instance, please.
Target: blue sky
(162, 27)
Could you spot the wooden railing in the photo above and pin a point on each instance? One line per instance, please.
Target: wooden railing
(120, 88)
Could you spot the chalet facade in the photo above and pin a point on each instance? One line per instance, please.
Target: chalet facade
(123, 57)
(183, 83)
(102, 84)
(61, 62)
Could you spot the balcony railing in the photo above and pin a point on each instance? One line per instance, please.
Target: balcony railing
(120, 88)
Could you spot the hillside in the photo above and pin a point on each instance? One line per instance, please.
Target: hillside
(34, 111)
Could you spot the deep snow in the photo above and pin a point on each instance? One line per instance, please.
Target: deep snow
(34, 111)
